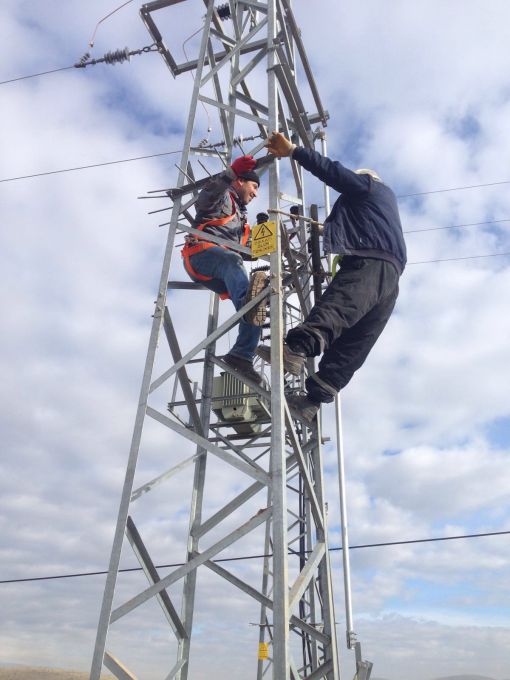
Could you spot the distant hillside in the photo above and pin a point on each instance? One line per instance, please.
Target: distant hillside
(33, 673)
(448, 677)
(465, 677)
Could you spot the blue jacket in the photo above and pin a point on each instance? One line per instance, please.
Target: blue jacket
(364, 221)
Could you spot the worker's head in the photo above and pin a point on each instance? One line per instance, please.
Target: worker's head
(247, 186)
(366, 171)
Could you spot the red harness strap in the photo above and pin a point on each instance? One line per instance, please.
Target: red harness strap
(190, 249)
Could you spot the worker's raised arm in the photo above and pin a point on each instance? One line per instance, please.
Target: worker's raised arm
(333, 173)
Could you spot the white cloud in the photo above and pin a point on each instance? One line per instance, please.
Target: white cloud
(420, 93)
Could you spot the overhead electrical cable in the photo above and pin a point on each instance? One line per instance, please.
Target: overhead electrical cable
(254, 557)
(87, 167)
(441, 191)
(454, 226)
(455, 259)
(36, 75)
(112, 57)
(91, 41)
(64, 68)
(169, 153)
(166, 153)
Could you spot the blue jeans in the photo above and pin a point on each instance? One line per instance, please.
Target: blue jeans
(229, 276)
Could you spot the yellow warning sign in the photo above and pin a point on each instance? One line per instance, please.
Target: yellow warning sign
(263, 650)
(263, 239)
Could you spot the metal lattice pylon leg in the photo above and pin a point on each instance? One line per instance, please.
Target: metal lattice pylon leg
(276, 458)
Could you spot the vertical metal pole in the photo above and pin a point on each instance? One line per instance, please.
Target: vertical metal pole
(189, 588)
(111, 580)
(234, 70)
(325, 576)
(343, 520)
(281, 669)
(197, 499)
(310, 534)
(316, 255)
(263, 631)
(313, 585)
(341, 467)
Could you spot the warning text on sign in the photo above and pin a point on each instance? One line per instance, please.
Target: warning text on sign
(263, 239)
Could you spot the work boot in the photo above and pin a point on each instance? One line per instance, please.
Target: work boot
(304, 407)
(256, 315)
(244, 367)
(293, 361)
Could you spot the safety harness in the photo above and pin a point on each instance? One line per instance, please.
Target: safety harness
(197, 244)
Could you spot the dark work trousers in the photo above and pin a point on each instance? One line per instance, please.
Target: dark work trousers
(346, 322)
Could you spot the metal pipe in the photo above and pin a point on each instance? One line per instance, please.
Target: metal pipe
(281, 658)
(341, 467)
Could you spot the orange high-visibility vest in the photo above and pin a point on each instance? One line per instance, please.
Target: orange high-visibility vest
(190, 249)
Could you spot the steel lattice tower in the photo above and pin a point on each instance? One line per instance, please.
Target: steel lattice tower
(245, 71)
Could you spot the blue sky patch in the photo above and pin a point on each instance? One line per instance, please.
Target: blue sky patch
(466, 127)
(498, 432)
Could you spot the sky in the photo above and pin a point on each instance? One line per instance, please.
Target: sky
(418, 91)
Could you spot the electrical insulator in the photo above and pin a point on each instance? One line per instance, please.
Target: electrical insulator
(84, 59)
(117, 56)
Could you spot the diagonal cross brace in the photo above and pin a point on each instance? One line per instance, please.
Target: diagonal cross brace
(117, 668)
(236, 111)
(151, 572)
(234, 504)
(316, 509)
(180, 572)
(181, 373)
(294, 621)
(253, 471)
(221, 330)
(148, 486)
(321, 672)
(306, 574)
(233, 52)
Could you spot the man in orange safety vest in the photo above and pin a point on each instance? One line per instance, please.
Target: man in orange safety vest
(221, 211)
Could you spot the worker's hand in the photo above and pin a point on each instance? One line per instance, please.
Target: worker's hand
(279, 145)
(243, 164)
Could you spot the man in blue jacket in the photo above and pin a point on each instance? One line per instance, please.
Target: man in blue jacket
(364, 227)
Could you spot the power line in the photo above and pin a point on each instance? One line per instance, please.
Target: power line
(441, 191)
(91, 41)
(65, 68)
(112, 57)
(256, 557)
(455, 259)
(35, 75)
(455, 226)
(167, 153)
(94, 165)
(116, 56)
